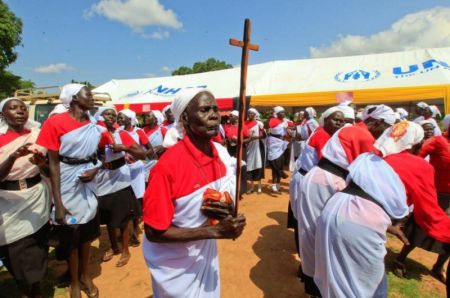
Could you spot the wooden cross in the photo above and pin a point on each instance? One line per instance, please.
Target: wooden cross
(246, 47)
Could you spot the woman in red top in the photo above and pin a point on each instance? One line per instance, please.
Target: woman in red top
(116, 201)
(231, 135)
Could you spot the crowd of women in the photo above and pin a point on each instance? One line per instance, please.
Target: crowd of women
(357, 175)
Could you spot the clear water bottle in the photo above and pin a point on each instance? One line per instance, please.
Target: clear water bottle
(70, 219)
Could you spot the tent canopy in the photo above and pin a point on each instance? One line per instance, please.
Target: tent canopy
(381, 78)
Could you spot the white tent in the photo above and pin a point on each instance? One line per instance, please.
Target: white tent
(392, 77)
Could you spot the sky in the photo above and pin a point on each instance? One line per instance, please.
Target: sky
(101, 40)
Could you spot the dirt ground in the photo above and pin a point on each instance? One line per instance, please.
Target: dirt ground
(261, 263)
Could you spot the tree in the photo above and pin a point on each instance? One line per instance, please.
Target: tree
(9, 83)
(90, 86)
(10, 31)
(209, 65)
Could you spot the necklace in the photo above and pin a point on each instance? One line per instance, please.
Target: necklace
(203, 174)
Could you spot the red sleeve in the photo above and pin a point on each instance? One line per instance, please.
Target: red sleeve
(158, 204)
(143, 139)
(105, 139)
(246, 133)
(355, 145)
(427, 213)
(127, 140)
(163, 131)
(428, 147)
(49, 137)
(320, 139)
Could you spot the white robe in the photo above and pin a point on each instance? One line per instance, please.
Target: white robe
(190, 269)
(111, 181)
(23, 212)
(156, 139)
(276, 146)
(254, 160)
(137, 170)
(78, 197)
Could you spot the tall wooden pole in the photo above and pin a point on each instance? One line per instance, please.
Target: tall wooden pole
(246, 47)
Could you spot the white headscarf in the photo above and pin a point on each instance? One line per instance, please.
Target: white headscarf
(421, 123)
(311, 112)
(327, 113)
(359, 115)
(422, 105)
(349, 113)
(400, 137)
(98, 116)
(446, 122)
(4, 126)
(397, 116)
(403, 113)
(345, 103)
(380, 181)
(435, 111)
(254, 111)
(67, 93)
(165, 110)
(380, 112)
(131, 115)
(234, 113)
(58, 109)
(159, 117)
(278, 110)
(179, 104)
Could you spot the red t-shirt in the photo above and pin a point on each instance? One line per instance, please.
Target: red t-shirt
(143, 139)
(318, 140)
(417, 176)
(55, 127)
(218, 138)
(149, 131)
(231, 131)
(106, 139)
(356, 140)
(9, 136)
(438, 148)
(177, 175)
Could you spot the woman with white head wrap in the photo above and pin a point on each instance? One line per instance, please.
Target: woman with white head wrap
(403, 114)
(169, 119)
(427, 114)
(435, 112)
(116, 200)
(155, 134)
(349, 114)
(24, 197)
(176, 213)
(72, 140)
(127, 121)
(310, 125)
(256, 153)
(351, 231)
(328, 177)
(276, 145)
(331, 121)
(159, 117)
(420, 108)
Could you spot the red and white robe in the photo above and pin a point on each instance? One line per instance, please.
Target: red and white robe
(254, 158)
(319, 185)
(155, 137)
(174, 197)
(23, 212)
(276, 146)
(78, 140)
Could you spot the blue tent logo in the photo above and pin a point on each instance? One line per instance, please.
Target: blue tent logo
(357, 76)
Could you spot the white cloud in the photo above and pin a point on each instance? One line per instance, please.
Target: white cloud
(136, 14)
(166, 69)
(424, 29)
(156, 35)
(149, 75)
(53, 68)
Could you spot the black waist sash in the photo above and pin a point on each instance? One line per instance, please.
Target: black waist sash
(327, 165)
(356, 190)
(302, 171)
(115, 164)
(276, 136)
(16, 185)
(78, 161)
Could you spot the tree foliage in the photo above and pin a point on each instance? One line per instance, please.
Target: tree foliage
(209, 65)
(9, 83)
(10, 31)
(84, 83)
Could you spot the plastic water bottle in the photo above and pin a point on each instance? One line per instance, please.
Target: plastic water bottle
(71, 220)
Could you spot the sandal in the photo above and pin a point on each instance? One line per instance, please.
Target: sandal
(88, 292)
(399, 269)
(123, 262)
(135, 241)
(109, 255)
(439, 275)
(249, 192)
